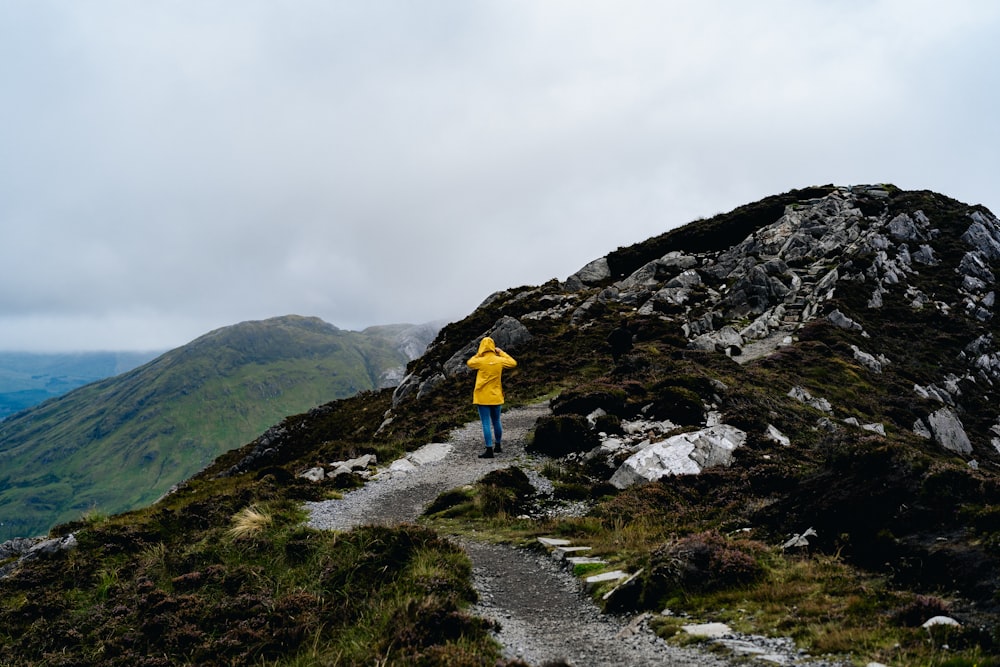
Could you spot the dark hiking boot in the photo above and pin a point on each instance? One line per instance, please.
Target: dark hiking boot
(497, 449)
(488, 454)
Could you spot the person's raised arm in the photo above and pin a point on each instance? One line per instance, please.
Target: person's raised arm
(507, 360)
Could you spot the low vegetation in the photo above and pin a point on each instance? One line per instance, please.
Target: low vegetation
(266, 591)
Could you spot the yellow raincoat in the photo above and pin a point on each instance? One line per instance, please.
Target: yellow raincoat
(489, 363)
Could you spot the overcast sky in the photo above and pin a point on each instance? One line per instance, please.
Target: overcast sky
(171, 167)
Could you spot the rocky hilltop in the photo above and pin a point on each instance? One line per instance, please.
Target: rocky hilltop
(783, 417)
(871, 251)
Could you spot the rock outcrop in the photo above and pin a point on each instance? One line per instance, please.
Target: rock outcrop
(683, 454)
(752, 297)
(21, 549)
(782, 275)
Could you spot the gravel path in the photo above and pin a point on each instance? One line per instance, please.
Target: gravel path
(544, 614)
(545, 617)
(397, 497)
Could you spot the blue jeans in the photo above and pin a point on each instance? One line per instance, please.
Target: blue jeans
(490, 414)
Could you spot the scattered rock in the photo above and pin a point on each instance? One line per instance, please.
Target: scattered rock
(726, 337)
(777, 436)
(51, 546)
(800, 540)
(867, 360)
(713, 630)
(339, 471)
(684, 454)
(17, 547)
(821, 404)
(314, 474)
(593, 273)
(403, 465)
(429, 453)
(948, 432)
(843, 321)
(940, 620)
(20, 549)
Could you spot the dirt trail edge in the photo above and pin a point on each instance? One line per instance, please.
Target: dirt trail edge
(543, 612)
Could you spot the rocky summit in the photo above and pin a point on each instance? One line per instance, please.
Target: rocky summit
(779, 421)
(887, 257)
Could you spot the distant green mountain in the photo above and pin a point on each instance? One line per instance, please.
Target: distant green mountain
(28, 378)
(120, 443)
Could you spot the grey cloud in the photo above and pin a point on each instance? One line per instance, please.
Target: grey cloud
(195, 164)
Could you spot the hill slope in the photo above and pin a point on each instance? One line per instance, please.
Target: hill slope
(122, 442)
(867, 408)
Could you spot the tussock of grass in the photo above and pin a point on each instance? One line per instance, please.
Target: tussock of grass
(497, 496)
(249, 522)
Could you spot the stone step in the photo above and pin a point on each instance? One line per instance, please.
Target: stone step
(585, 560)
(596, 579)
(560, 553)
(713, 630)
(553, 542)
(563, 550)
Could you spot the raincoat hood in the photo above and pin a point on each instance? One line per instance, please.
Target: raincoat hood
(487, 345)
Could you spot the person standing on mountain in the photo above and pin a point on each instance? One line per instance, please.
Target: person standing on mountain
(489, 363)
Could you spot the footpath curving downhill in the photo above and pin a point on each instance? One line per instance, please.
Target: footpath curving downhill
(544, 613)
(400, 492)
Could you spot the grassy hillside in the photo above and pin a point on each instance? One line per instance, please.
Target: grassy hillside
(122, 442)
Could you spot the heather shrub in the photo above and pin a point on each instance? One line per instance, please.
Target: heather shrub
(701, 562)
(499, 492)
(561, 435)
(678, 404)
(505, 491)
(587, 398)
(921, 608)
